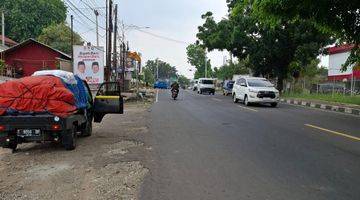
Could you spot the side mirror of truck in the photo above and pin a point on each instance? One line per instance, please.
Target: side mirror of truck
(108, 100)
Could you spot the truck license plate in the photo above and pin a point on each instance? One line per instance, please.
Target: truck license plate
(28, 132)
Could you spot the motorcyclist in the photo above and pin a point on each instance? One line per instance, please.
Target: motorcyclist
(174, 90)
(175, 86)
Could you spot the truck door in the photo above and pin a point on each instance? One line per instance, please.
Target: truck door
(108, 100)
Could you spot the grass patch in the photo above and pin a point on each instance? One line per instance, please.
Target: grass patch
(337, 98)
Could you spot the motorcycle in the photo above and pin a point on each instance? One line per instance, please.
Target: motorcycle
(174, 93)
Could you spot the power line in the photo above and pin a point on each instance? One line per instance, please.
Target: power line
(162, 37)
(86, 4)
(96, 8)
(70, 3)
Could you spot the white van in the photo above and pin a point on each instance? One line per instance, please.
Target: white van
(255, 90)
(206, 85)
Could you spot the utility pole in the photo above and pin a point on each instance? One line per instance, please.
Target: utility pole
(114, 42)
(72, 39)
(123, 62)
(205, 65)
(3, 27)
(97, 27)
(108, 46)
(157, 69)
(106, 27)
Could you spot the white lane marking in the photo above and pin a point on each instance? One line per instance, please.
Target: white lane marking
(322, 110)
(247, 108)
(157, 96)
(215, 99)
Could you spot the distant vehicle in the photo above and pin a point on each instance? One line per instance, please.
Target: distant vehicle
(255, 90)
(161, 85)
(206, 85)
(227, 87)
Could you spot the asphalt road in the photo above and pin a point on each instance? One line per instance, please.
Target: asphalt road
(207, 147)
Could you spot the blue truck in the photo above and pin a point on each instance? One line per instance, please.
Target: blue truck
(161, 85)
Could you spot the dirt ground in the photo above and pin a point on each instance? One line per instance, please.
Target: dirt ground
(107, 165)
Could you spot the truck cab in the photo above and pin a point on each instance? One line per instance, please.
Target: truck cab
(41, 127)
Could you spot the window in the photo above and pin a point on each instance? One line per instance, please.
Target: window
(259, 83)
(242, 81)
(207, 81)
(109, 89)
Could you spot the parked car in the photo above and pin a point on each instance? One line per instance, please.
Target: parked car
(227, 87)
(161, 85)
(255, 90)
(206, 85)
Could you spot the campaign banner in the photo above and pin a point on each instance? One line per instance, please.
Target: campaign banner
(89, 63)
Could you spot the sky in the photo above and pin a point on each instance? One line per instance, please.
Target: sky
(176, 21)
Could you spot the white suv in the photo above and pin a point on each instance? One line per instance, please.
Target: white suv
(206, 85)
(255, 90)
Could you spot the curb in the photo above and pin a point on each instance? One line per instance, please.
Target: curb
(341, 109)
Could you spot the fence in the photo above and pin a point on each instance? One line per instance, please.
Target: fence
(323, 86)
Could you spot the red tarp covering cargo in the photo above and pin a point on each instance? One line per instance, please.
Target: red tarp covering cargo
(37, 94)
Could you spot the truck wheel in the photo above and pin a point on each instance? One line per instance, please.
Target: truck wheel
(87, 131)
(69, 139)
(11, 145)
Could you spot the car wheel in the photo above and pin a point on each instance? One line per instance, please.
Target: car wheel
(235, 99)
(246, 101)
(274, 105)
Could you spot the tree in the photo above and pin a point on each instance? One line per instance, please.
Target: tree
(166, 71)
(196, 57)
(148, 77)
(183, 81)
(27, 18)
(58, 36)
(229, 70)
(270, 50)
(338, 18)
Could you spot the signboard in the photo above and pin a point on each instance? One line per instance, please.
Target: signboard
(130, 64)
(89, 63)
(335, 64)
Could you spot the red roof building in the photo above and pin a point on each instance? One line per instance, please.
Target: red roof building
(30, 56)
(8, 42)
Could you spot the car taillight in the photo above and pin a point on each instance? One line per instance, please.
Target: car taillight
(55, 127)
(2, 128)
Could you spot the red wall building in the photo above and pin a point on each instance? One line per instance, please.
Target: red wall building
(30, 56)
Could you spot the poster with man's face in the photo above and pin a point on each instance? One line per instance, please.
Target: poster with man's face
(89, 63)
